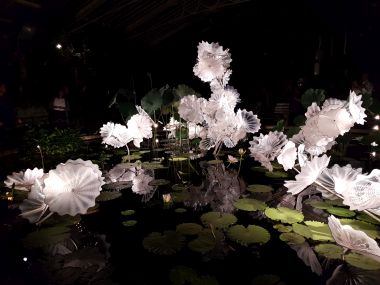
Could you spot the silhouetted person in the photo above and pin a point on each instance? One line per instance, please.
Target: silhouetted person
(60, 109)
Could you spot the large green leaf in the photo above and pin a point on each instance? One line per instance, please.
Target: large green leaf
(285, 215)
(218, 220)
(167, 243)
(248, 235)
(250, 205)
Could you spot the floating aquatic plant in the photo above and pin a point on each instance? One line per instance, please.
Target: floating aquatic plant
(167, 243)
(292, 238)
(314, 230)
(248, 235)
(247, 204)
(128, 212)
(108, 196)
(362, 261)
(218, 220)
(129, 223)
(189, 228)
(47, 236)
(259, 188)
(285, 215)
(283, 228)
(329, 250)
(206, 241)
(341, 212)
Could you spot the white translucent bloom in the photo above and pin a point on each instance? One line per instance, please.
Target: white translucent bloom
(24, 180)
(232, 159)
(190, 109)
(121, 172)
(141, 183)
(334, 122)
(312, 110)
(140, 127)
(364, 192)
(34, 206)
(248, 121)
(115, 135)
(355, 108)
(355, 240)
(72, 187)
(308, 175)
(266, 148)
(225, 99)
(337, 179)
(213, 61)
(301, 156)
(172, 127)
(196, 131)
(288, 156)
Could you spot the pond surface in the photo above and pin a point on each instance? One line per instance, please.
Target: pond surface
(127, 241)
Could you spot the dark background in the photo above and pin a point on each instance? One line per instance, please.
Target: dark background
(109, 45)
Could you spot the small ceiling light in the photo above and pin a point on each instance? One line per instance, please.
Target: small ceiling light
(58, 46)
(377, 117)
(376, 128)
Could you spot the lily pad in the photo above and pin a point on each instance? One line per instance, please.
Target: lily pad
(218, 220)
(283, 228)
(206, 241)
(180, 210)
(292, 238)
(178, 158)
(153, 165)
(341, 212)
(168, 243)
(362, 261)
(319, 204)
(47, 236)
(129, 223)
(258, 169)
(128, 212)
(370, 229)
(248, 235)
(276, 174)
(159, 182)
(189, 228)
(285, 215)
(250, 205)
(179, 187)
(314, 230)
(365, 218)
(329, 250)
(108, 196)
(259, 188)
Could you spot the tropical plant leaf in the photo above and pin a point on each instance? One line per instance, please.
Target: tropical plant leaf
(329, 250)
(341, 212)
(361, 261)
(108, 196)
(259, 188)
(129, 223)
(314, 230)
(168, 243)
(206, 241)
(283, 228)
(292, 238)
(370, 229)
(189, 228)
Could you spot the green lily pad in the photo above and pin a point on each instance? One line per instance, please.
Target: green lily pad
(282, 228)
(180, 210)
(168, 243)
(292, 238)
(218, 220)
(370, 229)
(108, 196)
(259, 188)
(206, 241)
(178, 158)
(250, 205)
(341, 212)
(159, 182)
(189, 228)
(362, 261)
(153, 165)
(365, 218)
(276, 174)
(259, 169)
(132, 156)
(128, 212)
(319, 204)
(129, 223)
(329, 250)
(46, 236)
(336, 202)
(285, 215)
(314, 230)
(179, 187)
(179, 197)
(248, 235)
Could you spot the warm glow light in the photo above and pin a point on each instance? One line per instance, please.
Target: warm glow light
(373, 153)
(156, 140)
(38, 147)
(155, 125)
(377, 117)
(241, 151)
(58, 46)
(25, 259)
(374, 144)
(167, 198)
(376, 128)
